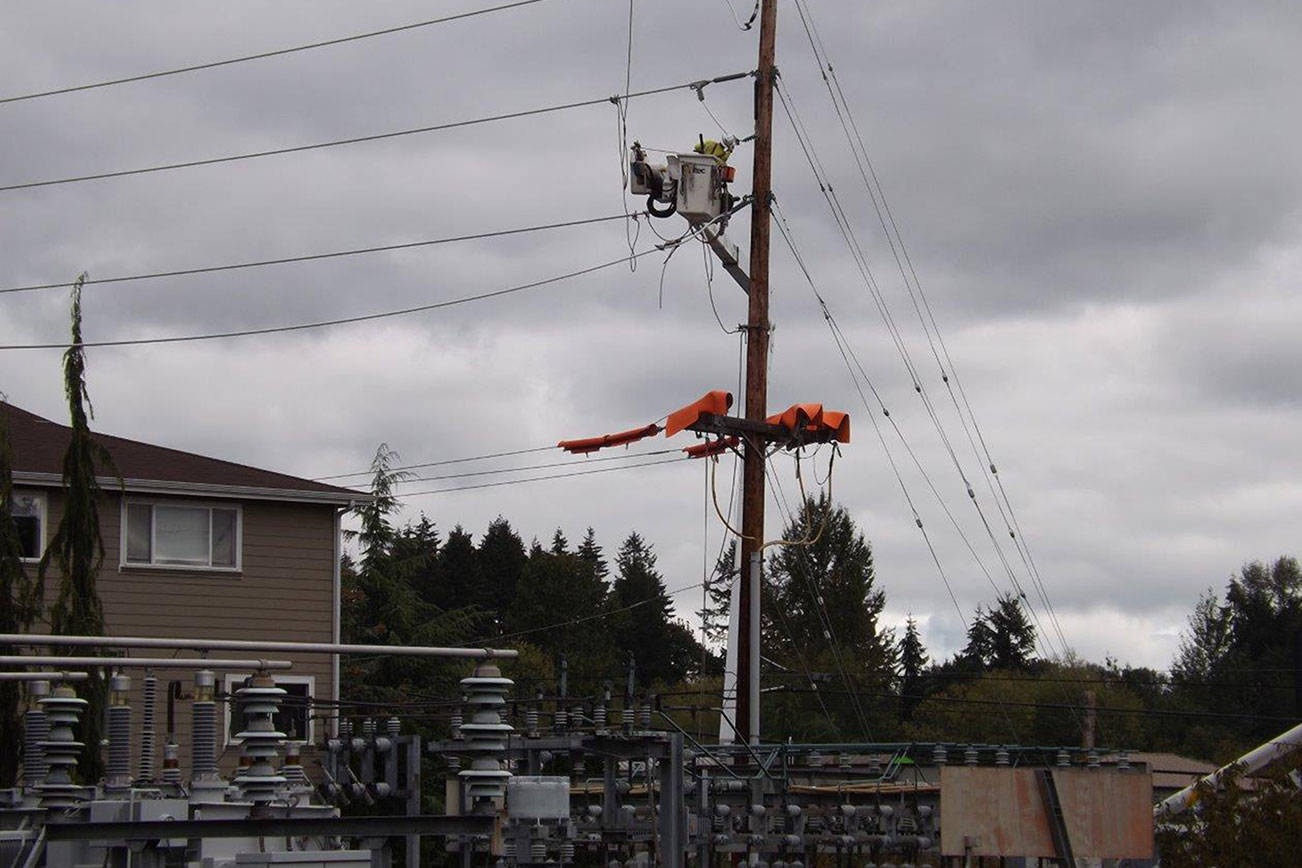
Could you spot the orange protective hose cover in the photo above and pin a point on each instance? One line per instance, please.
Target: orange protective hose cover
(716, 402)
(584, 445)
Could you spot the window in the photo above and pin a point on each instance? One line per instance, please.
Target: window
(28, 510)
(294, 718)
(158, 534)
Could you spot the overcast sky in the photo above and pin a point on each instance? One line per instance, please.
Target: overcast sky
(1102, 202)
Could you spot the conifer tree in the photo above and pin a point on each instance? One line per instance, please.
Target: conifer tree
(19, 608)
(76, 548)
(458, 570)
(501, 557)
(913, 662)
(661, 647)
(1012, 643)
(560, 545)
(718, 587)
(591, 552)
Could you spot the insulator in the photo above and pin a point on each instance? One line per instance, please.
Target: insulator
(171, 763)
(36, 730)
(260, 741)
(203, 723)
(538, 850)
(292, 767)
(485, 735)
(508, 848)
(970, 755)
(345, 728)
(1123, 761)
(562, 719)
(148, 712)
(567, 852)
(368, 728)
(815, 758)
(1092, 759)
(644, 715)
(63, 709)
(393, 726)
(1063, 758)
(1001, 756)
(119, 734)
(531, 720)
(939, 755)
(627, 716)
(599, 715)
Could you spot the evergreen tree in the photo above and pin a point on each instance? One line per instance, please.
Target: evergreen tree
(458, 571)
(76, 549)
(913, 663)
(415, 550)
(718, 588)
(1012, 637)
(662, 649)
(553, 590)
(501, 561)
(560, 545)
(591, 552)
(980, 647)
(19, 608)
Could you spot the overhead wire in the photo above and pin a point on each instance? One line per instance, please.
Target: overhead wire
(443, 462)
(547, 477)
(947, 369)
(267, 54)
(373, 316)
(531, 467)
(393, 134)
(843, 223)
(333, 254)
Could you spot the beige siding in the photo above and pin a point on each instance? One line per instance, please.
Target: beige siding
(283, 591)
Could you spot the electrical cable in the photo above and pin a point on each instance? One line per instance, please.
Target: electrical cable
(374, 316)
(547, 477)
(546, 466)
(266, 54)
(376, 136)
(929, 325)
(445, 461)
(284, 260)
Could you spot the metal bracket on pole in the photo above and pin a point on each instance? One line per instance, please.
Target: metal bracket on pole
(728, 255)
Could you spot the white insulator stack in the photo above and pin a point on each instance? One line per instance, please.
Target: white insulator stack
(562, 719)
(599, 713)
(393, 726)
(63, 709)
(292, 768)
(567, 852)
(259, 702)
(970, 756)
(203, 742)
(172, 763)
(148, 711)
(628, 714)
(485, 734)
(118, 777)
(939, 755)
(1001, 756)
(531, 720)
(36, 730)
(454, 761)
(644, 714)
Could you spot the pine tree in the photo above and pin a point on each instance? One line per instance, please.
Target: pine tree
(560, 545)
(76, 548)
(718, 587)
(501, 562)
(553, 590)
(913, 662)
(458, 570)
(979, 650)
(662, 649)
(1012, 634)
(19, 608)
(591, 552)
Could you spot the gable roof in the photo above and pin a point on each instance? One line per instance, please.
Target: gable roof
(39, 444)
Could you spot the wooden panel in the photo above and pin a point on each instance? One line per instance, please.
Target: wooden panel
(1109, 815)
(990, 811)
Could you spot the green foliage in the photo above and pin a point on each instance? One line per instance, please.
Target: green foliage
(1233, 826)
(718, 592)
(20, 605)
(76, 548)
(662, 648)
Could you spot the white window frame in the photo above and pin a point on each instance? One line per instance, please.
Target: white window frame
(210, 505)
(44, 500)
(232, 681)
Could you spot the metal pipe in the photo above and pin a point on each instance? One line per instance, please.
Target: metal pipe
(44, 676)
(1250, 762)
(32, 639)
(144, 662)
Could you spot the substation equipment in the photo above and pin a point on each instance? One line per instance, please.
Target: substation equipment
(542, 780)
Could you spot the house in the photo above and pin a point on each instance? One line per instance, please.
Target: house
(198, 547)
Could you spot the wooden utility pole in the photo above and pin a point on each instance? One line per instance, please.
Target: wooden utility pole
(757, 358)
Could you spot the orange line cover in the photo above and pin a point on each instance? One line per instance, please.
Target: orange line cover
(711, 447)
(716, 402)
(584, 445)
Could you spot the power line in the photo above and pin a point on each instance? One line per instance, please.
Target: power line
(549, 476)
(330, 254)
(443, 462)
(130, 342)
(885, 215)
(266, 54)
(540, 466)
(617, 99)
